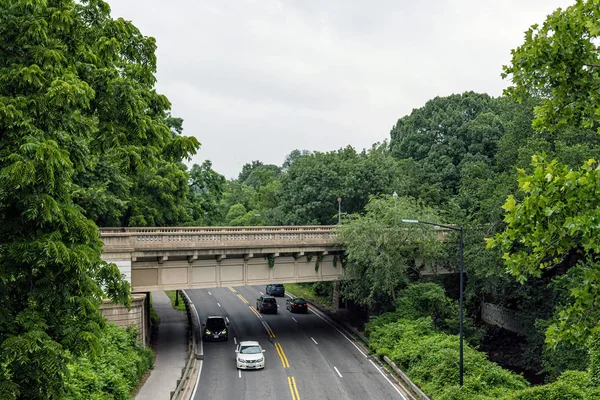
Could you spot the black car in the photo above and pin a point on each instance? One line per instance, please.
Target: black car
(215, 328)
(275, 289)
(266, 304)
(298, 305)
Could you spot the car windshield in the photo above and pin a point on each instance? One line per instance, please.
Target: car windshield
(215, 323)
(269, 300)
(299, 300)
(250, 350)
(278, 285)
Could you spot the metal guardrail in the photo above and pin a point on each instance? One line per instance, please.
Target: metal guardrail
(186, 385)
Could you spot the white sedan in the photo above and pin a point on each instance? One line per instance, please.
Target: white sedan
(249, 355)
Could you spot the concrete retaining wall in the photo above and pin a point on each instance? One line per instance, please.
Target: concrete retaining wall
(502, 317)
(138, 315)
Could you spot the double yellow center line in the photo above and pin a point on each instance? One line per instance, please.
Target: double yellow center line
(268, 329)
(255, 312)
(293, 388)
(282, 357)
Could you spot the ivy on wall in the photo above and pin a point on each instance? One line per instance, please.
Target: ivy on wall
(318, 262)
(271, 258)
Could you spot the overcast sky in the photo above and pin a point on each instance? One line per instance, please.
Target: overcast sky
(256, 79)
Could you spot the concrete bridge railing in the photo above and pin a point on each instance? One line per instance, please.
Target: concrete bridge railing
(134, 239)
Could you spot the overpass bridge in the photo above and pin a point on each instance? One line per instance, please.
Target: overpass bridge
(206, 257)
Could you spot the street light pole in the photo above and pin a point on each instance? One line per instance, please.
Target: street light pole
(461, 308)
(339, 209)
(395, 196)
(460, 230)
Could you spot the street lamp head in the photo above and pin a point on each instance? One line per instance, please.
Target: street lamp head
(339, 199)
(410, 221)
(395, 194)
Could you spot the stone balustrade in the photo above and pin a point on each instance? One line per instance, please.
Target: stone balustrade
(132, 239)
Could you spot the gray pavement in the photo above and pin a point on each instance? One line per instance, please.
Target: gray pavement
(171, 350)
(312, 359)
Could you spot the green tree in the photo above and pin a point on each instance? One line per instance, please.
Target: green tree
(77, 98)
(555, 230)
(205, 194)
(554, 238)
(559, 63)
(312, 183)
(437, 142)
(381, 252)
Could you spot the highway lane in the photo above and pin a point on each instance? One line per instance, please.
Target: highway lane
(306, 358)
(220, 378)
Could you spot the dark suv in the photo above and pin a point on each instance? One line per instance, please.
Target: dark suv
(266, 304)
(275, 289)
(215, 328)
(297, 304)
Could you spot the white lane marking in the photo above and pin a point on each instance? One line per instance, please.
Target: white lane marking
(313, 339)
(277, 305)
(387, 379)
(197, 380)
(338, 372)
(234, 340)
(209, 293)
(341, 333)
(219, 304)
(261, 293)
(240, 373)
(227, 319)
(294, 319)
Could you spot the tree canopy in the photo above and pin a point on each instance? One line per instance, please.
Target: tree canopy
(81, 127)
(552, 225)
(559, 62)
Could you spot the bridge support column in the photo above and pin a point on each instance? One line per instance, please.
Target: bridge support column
(335, 296)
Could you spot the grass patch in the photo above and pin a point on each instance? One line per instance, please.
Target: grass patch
(171, 294)
(307, 291)
(154, 318)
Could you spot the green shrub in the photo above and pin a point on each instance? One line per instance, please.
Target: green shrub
(430, 359)
(594, 357)
(553, 391)
(323, 289)
(114, 372)
(429, 299)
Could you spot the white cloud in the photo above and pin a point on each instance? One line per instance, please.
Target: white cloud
(256, 79)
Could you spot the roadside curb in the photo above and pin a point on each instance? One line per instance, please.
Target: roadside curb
(187, 385)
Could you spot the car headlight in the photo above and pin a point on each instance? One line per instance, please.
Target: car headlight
(241, 360)
(260, 360)
(224, 331)
(207, 331)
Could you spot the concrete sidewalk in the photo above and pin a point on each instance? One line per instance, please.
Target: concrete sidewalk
(171, 350)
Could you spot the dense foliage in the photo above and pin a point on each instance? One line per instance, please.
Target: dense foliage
(112, 373)
(559, 63)
(381, 252)
(552, 227)
(428, 353)
(84, 139)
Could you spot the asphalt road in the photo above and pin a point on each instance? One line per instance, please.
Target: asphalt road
(306, 357)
